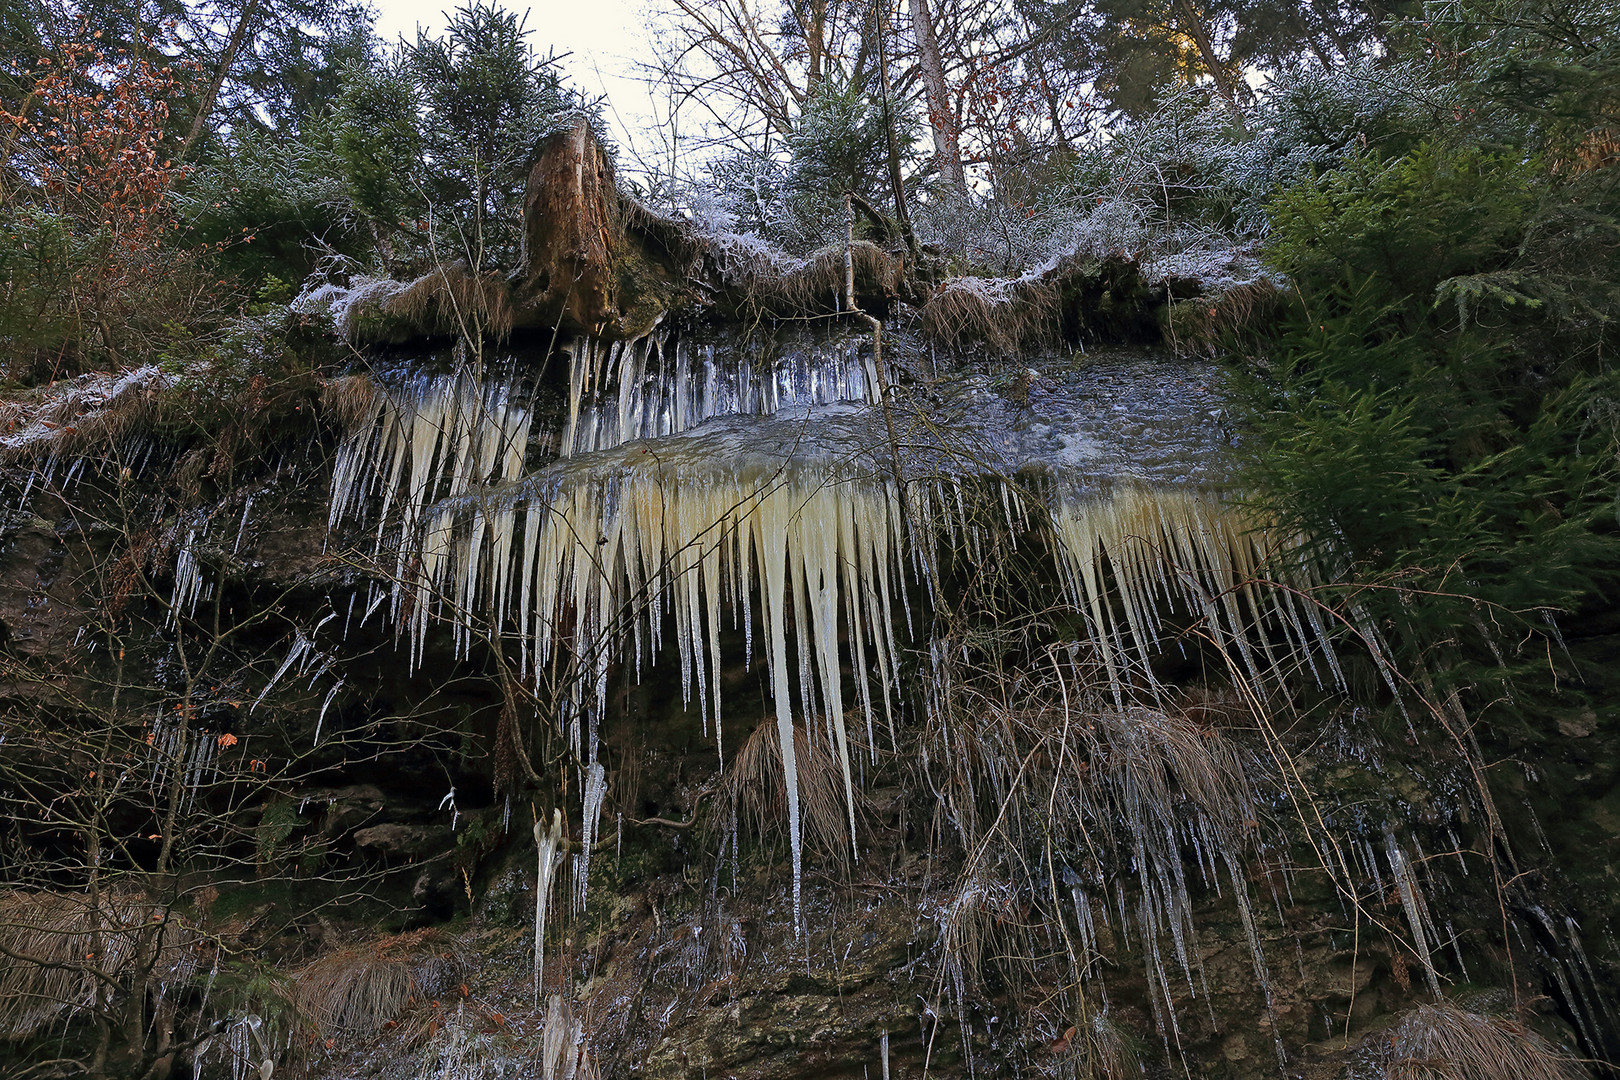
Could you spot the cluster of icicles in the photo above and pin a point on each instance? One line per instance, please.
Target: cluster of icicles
(624, 392)
(587, 559)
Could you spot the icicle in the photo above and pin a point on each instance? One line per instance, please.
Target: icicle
(450, 801)
(657, 393)
(547, 847)
(595, 793)
(1412, 902)
(241, 529)
(300, 646)
(1184, 546)
(188, 578)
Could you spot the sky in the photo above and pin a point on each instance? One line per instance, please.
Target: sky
(604, 37)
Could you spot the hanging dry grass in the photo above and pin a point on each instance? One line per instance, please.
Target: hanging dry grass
(79, 415)
(1064, 800)
(1444, 1042)
(753, 788)
(816, 285)
(453, 300)
(65, 938)
(1197, 327)
(1006, 316)
(669, 235)
(349, 400)
(359, 989)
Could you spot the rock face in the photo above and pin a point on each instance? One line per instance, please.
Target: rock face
(408, 841)
(686, 959)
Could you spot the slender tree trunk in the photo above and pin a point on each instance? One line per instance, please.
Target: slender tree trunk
(1325, 14)
(941, 116)
(896, 182)
(1193, 24)
(205, 107)
(11, 141)
(1050, 95)
(815, 33)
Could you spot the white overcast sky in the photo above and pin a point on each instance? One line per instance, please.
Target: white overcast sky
(605, 37)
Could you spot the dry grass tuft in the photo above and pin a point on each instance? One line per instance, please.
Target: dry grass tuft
(753, 788)
(816, 285)
(452, 300)
(671, 235)
(66, 936)
(359, 989)
(1006, 316)
(1108, 1054)
(1444, 1042)
(350, 399)
(1197, 327)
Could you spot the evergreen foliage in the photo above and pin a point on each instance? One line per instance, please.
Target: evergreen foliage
(486, 101)
(1432, 407)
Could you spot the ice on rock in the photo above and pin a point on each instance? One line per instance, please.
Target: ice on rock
(657, 386)
(690, 491)
(595, 793)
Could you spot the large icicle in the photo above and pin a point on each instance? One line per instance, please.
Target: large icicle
(606, 554)
(548, 845)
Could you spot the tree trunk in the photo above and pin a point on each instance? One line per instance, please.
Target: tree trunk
(570, 212)
(896, 182)
(1194, 26)
(205, 108)
(815, 44)
(941, 116)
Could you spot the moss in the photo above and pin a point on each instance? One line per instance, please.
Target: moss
(646, 292)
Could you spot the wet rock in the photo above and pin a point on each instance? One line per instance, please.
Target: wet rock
(349, 808)
(1578, 725)
(408, 841)
(435, 890)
